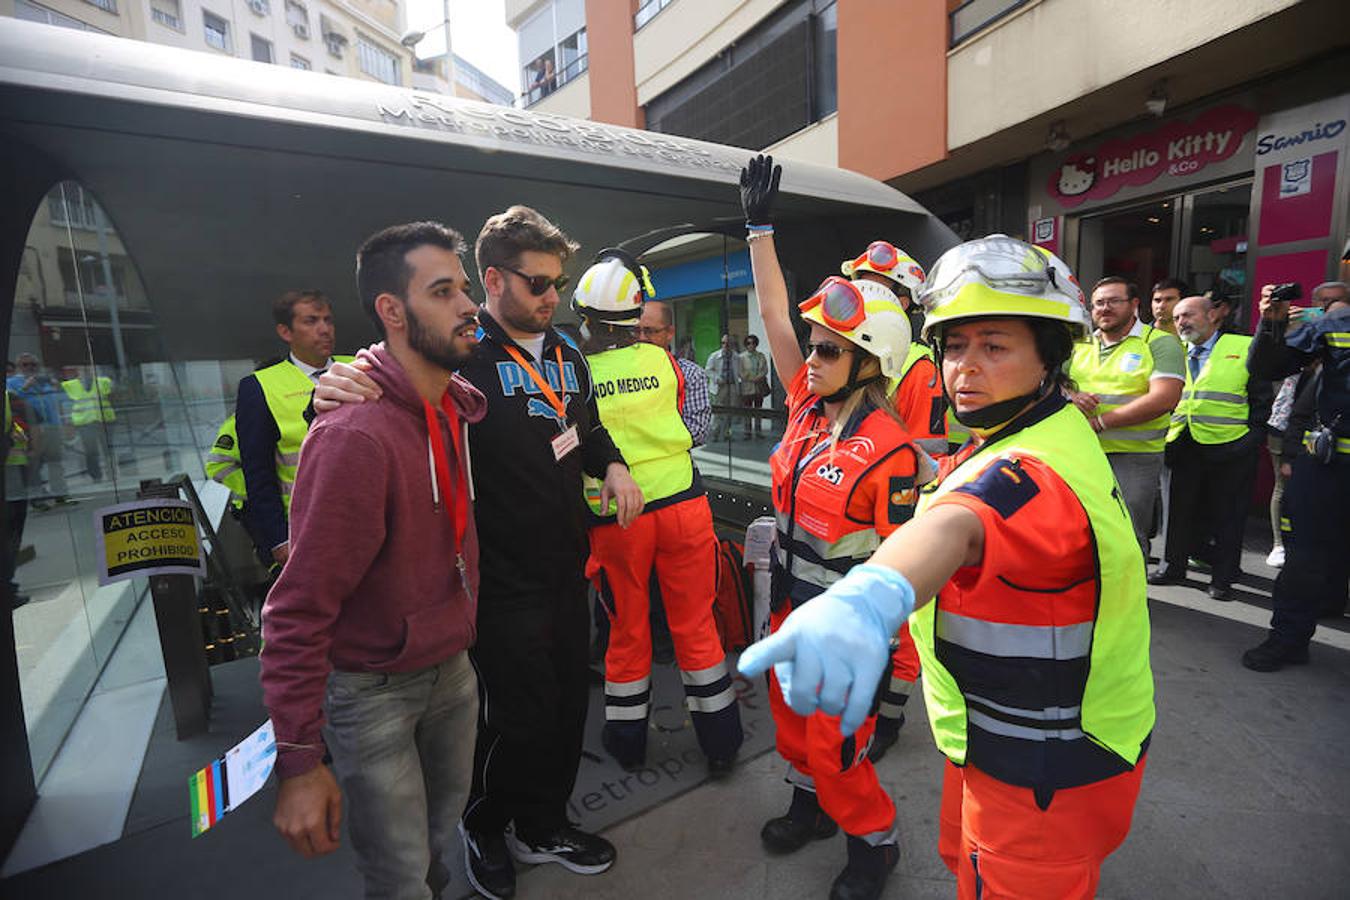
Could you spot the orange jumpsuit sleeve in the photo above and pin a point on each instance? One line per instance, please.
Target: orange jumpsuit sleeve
(886, 497)
(918, 400)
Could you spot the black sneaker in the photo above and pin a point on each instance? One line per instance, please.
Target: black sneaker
(568, 846)
(865, 875)
(804, 822)
(885, 736)
(488, 865)
(1272, 654)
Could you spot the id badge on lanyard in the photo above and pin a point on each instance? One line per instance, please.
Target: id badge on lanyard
(568, 439)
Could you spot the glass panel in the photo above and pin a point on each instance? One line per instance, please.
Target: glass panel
(262, 49)
(216, 31)
(1133, 243)
(540, 77)
(825, 67)
(1216, 248)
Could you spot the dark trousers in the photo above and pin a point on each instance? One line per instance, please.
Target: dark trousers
(1316, 548)
(16, 516)
(1211, 490)
(533, 687)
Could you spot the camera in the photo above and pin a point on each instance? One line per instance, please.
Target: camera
(1283, 293)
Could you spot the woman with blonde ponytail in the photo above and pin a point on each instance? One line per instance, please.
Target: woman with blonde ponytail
(845, 475)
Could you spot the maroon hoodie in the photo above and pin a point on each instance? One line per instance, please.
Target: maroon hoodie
(371, 583)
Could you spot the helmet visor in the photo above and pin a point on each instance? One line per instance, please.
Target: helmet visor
(1002, 263)
(841, 304)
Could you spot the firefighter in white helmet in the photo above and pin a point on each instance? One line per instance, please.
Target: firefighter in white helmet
(640, 393)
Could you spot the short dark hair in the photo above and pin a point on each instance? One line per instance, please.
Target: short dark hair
(1173, 284)
(382, 264)
(507, 235)
(283, 308)
(1131, 289)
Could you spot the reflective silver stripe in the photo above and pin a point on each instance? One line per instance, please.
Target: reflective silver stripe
(720, 700)
(1022, 732)
(627, 688)
(226, 472)
(879, 838)
(813, 573)
(854, 545)
(289, 459)
(1222, 396)
(1027, 641)
(1124, 434)
(890, 710)
(933, 445)
(1050, 713)
(626, 713)
(797, 779)
(1117, 398)
(701, 676)
(221, 458)
(1216, 420)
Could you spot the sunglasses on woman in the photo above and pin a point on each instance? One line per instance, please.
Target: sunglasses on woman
(827, 351)
(538, 284)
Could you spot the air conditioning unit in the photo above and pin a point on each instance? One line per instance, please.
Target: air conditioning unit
(259, 7)
(301, 30)
(335, 43)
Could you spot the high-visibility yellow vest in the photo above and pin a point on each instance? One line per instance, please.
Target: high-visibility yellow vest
(224, 465)
(637, 392)
(1116, 710)
(957, 434)
(1214, 406)
(287, 391)
(17, 455)
(91, 404)
(1118, 376)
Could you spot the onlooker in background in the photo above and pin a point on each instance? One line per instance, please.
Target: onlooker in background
(1275, 439)
(1129, 380)
(91, 410)
(657, 326)
(1317, 567)
(1211, 447)
(43, 397)
(1166, 295)
(754, 384)
(367, 628)
(723, 376)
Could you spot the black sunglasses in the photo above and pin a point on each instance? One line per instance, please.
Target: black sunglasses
(827, 351)
(538, 284)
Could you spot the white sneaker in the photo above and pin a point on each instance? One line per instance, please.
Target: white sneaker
(1276, 558)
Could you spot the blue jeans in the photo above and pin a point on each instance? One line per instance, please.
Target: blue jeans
(402, 747)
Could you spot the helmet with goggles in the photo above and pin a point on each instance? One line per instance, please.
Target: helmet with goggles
(866, 313)
(888, 261)
(612, 289)
(999, 276)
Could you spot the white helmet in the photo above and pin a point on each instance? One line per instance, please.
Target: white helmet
(865, 312)
(888, 261)
(612, 289)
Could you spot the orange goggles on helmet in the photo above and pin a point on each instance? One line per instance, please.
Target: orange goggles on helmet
(842, 306)
(880, 256)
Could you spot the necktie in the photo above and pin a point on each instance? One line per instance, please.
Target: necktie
(1193, 361)
(314, 377)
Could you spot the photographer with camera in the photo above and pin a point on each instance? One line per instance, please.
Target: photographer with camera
(1315, 573)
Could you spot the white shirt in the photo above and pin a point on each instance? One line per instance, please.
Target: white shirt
(311, 372)
(534, 345)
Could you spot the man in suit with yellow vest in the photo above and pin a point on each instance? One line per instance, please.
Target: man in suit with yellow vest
(91, 410)
(640, 392)
(1129, 379)
(1212, 447)
(270, 416)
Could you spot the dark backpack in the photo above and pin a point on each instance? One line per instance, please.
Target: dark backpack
(732, 605)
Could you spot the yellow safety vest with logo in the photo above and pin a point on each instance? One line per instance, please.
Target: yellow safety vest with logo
(1117, 710)
(91, 404)
(1214, 406)
(916, 352)
(637, 392)
(1118, 376)
(224, 465)
(17, 454)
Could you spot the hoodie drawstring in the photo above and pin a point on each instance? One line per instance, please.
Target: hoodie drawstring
(458, 510)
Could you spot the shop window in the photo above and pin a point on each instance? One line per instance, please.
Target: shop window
(1216, 241)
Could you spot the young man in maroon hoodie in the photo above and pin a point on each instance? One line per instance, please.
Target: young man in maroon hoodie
(368, 627)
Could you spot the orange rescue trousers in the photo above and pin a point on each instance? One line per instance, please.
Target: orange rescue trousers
(843, 777)
(678, 542)
(1001, 845)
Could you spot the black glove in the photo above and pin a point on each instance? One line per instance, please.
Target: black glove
(759, 189)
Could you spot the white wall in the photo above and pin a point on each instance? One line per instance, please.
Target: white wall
(816, 143)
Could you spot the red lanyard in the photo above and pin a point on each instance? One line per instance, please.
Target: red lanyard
(559, 403)
(459, 509)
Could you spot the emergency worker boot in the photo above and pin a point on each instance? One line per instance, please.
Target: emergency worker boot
(804, 822)
(884, 737)
(865, 875)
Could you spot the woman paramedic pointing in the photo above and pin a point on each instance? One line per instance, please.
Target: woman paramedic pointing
(844, 476)
(1035, 643)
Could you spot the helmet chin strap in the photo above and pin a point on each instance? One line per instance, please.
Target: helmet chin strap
(999, 413)
(853, 383)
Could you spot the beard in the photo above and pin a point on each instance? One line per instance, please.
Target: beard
(437, 350)
(516, 313)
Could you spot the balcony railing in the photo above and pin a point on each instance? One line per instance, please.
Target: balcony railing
(647, 11)
(974, 16)
(574, 69)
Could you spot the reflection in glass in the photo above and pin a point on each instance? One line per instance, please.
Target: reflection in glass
(1216, 248)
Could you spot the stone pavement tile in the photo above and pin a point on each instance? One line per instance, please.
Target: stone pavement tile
(652, 875)
(1317, 767)
(1146, 867)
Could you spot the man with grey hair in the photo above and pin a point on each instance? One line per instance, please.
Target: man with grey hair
(1314, 578)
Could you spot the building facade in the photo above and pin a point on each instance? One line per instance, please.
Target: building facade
(1201, 141)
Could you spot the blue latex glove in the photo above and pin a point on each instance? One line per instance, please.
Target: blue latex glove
(830, 653)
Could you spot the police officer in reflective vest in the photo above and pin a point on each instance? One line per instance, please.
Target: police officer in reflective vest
(1129, 379)
(918, 399)
(639, 390)
(269, 420)
(1212, 446)
(1032, 620)
(845, 474)
(1317, 496)
(90, 410)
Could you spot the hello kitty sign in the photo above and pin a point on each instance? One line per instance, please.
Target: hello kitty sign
(1179, 148)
